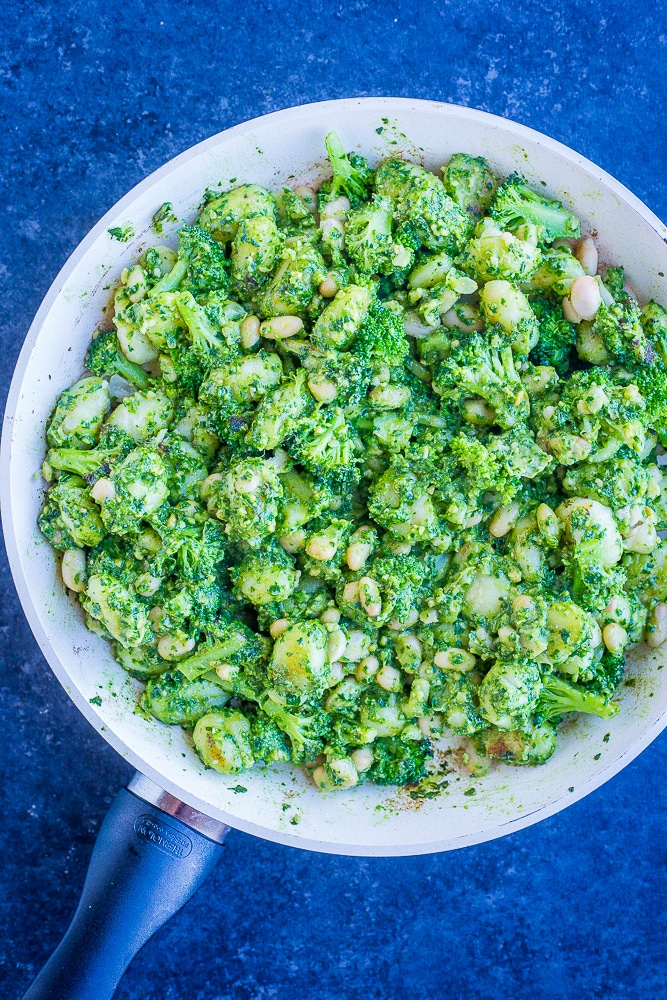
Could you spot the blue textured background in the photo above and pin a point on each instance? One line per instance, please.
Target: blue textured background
(93, 97)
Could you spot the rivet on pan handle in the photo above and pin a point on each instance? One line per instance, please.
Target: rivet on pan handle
(151, 855)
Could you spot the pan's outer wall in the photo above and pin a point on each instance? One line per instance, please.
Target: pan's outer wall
(286, 147)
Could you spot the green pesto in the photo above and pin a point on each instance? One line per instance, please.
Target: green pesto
(427, 504)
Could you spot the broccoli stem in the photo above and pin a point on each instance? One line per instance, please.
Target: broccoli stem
(208, 656)
(82, 463)
(131, 372)
(168, 282)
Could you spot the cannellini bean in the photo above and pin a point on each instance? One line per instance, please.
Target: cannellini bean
(329, 226)
(398, 548)
(455, 659)
(103, 490)
(389, 397)
(278, 627)
(478, 412)
(321, 547)
(367, 668)
(336, 645)
(73, 569)
(328, 287)
(248, 483)
(226, 671)
(281, 327)
(523, 603)
(294, 541)
(370, 597)
(656, 631)
(358, 646)
(249, 332)
(389, 678)
(335, 208)
(173, 647)
(359, 550)
(336, 673)
(330, 617)
(362, 758)
(569, 312)
(586, 253)
(585, 296)
(324, 392)
(614, 637)
(146, 585)
(503, 520)
(351, 592)
(308, 195)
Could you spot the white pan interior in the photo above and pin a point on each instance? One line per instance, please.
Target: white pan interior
(278, 803)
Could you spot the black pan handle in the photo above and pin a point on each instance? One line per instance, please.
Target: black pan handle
(151, 855)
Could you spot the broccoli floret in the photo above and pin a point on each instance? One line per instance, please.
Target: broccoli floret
(382, 336)
(307, 733)
(558, 697)
(207, 338)
(326, 445)
(495, 254)
(509, 693)
(105, 358)
(421, 199)
(619, 328)
(470, 181)
(268, 740)
(352, 176)
(473, 369)
(399, 762)
(207, 266)
(557, 336)
(343, 376)
(368, 238)
(515, 204)
(69, 518)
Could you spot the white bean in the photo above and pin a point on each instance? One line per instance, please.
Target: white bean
(351, 592)
(281, 327)
(367, 668)
(103, 490)
(585, 296)
(335, 208)
(308, 195)
(569, 312)
(370, 597)
(586, 253)
(362, 758)
(293, 542)
(173, 647)
(503, 520)
(357, 553)
(389, 678)
(656, 633)
(278, 627)
(73, 569)
(328, 287)
(322, 548)
(336, 645)
(324, 392)
(330, 617)
(614, 637)
(455, 659)
(249, 332)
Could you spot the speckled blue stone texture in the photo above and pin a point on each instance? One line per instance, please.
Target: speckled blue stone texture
(93, 97)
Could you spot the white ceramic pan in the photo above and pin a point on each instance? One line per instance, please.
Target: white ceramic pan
(288, 148)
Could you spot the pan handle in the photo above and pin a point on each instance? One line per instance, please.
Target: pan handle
(151, 855)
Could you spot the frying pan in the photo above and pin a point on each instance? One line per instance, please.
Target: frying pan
(164, 833)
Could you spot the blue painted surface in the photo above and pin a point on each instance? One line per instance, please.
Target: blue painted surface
(94, 96)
